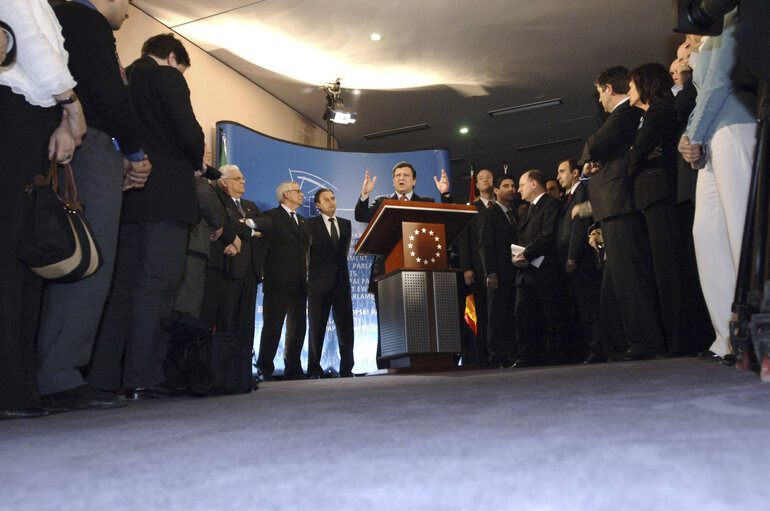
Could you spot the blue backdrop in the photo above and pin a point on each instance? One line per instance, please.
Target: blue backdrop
(266, 162)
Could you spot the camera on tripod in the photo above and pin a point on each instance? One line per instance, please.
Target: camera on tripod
(701, 17)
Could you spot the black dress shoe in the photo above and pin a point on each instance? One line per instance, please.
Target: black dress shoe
(27, 412)
(521, 363)
(151, 392)
(84, 397)
(347, 375)
(628, 356)
(593, 358)
(708, 355)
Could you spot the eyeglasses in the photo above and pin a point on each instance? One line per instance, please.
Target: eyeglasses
(241, 178)
(295, 190)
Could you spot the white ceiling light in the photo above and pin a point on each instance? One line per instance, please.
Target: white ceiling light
(280, 54)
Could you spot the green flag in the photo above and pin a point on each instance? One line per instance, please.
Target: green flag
(223, 150)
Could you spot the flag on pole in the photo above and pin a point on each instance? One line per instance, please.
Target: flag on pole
(470, 313)
(472, 197)
(223, 149)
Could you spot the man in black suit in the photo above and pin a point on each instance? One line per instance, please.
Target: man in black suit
(578, 261)
(468, 247)
(626, 284)
(404, 180)
(329, 284)
(155, 224)
(541, 336)
(285, 284)
(497, 226)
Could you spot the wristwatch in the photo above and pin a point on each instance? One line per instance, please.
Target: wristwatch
(67, 101)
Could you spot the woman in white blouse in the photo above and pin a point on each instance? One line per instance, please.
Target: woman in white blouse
(41, 119)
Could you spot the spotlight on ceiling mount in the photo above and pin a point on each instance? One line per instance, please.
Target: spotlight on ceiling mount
(336, 111)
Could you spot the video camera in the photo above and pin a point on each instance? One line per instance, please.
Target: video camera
(701, 17)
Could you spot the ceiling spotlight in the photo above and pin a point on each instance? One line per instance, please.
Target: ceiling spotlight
(464, 130)
(336, 111)
(341, 114)
(375, 37)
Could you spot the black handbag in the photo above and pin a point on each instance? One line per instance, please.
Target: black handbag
(58, 244)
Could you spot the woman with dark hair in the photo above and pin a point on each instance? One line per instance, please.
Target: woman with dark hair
(652, 168)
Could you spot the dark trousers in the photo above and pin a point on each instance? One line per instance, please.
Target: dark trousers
(699, 332)
(662, 221)
(338, 300)
(149, 265)
(584, 289)
(71, 312)
(501, 327)
(541, 333)
(627, 286)
(24, 136)
(277, 306)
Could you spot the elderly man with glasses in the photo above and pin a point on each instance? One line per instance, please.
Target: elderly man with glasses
(285, 284)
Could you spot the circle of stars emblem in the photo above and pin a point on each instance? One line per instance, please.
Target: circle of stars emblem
(420, 258)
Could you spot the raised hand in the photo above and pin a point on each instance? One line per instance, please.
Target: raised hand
(368, 186)
(442, 185)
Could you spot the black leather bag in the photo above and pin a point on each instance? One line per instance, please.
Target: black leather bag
(57, 243)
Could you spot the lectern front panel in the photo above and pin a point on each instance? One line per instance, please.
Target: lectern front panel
(404, 320)
(445, 312)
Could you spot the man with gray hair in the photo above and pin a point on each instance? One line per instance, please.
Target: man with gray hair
(285, 284)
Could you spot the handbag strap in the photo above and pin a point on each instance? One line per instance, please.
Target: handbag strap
(70, 190)
(52, 178)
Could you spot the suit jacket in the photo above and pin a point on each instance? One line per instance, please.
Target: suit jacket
(572, 236)
(496, 234)
(253, 248)
(537, 234)
(469, 242)
(328, 266)
(212, 217)
(610, 188)
(654, 180)
(364, 213)
(285, 267)
(172, 138)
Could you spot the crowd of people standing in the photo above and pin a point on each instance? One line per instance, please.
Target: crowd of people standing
(630, 253)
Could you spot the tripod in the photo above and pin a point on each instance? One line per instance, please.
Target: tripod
(750, 330)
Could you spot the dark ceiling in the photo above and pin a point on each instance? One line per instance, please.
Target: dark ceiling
(483, 55)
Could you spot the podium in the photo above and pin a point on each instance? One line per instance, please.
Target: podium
(419, 319)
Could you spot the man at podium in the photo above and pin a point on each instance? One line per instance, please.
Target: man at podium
(404, 180)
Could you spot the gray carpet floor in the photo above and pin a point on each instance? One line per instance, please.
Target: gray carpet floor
(658, 435)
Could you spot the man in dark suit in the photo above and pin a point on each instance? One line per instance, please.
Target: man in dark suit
(285, 284)
(626, 284)
(468, 247)
(541, 336)
(404, 180)
(189, 293)
(155, 224)
(578, 261)
(329, 284)
(497, 226)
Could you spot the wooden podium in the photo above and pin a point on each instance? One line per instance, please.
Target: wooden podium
(419, 319)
